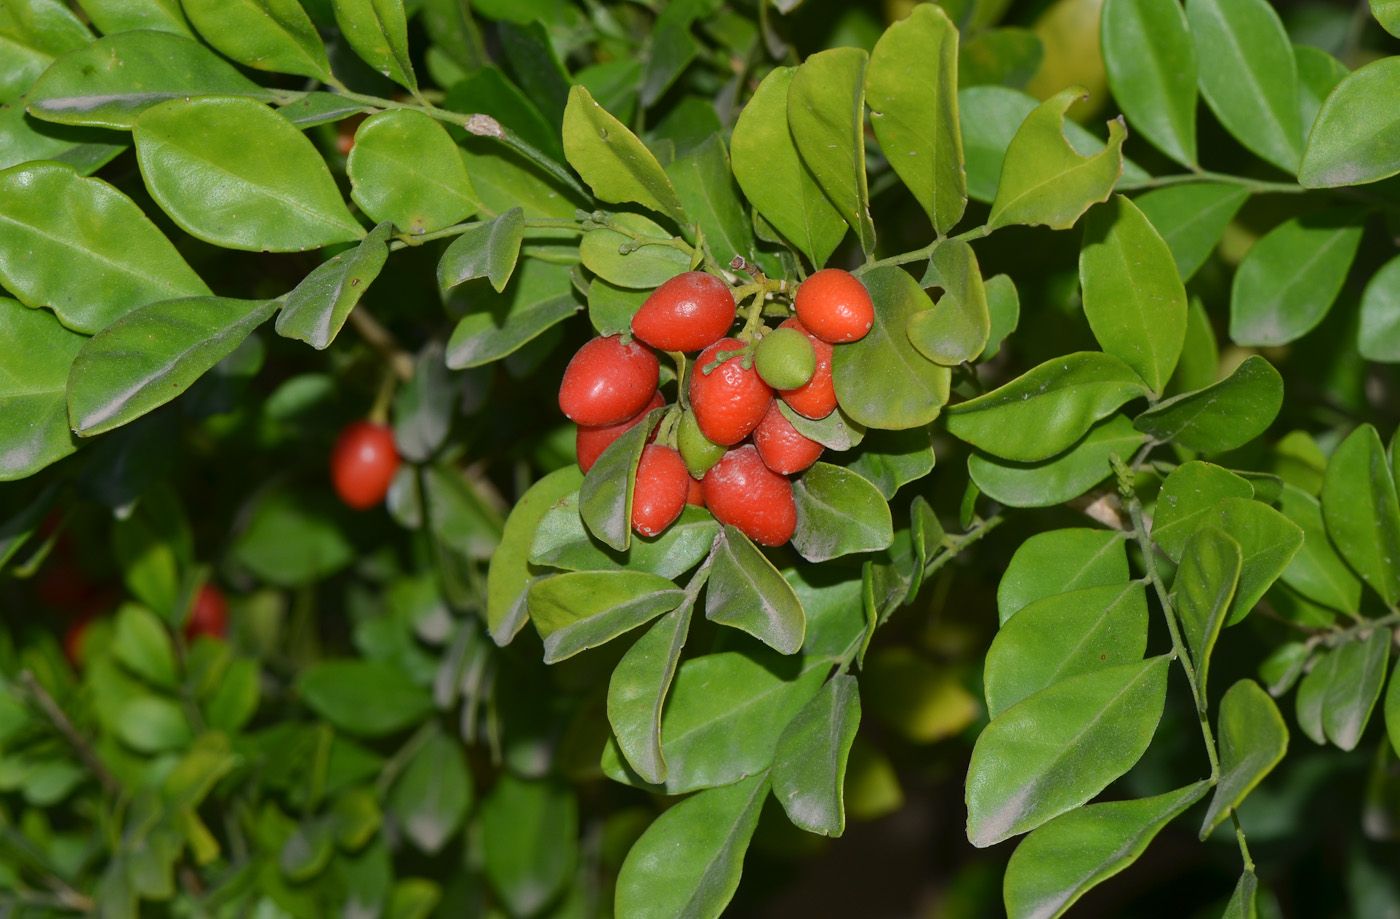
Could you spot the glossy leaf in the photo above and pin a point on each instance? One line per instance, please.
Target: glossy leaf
(1317, 571)
(1356, 138)
(363, 698)
(1318, 74)
(316, 309)
(1268, 541)
(509, 575)
(1044, 181)
(912, 90)
(745, 591)
(605, 498)
(1061, 478)
(274, 195)
(637, 692)
(1060, 561)
(83, 249)
(614, 163)
(881, 381)
(274, 35)
(1191, 219)
(432, 795)
(24, 138)
(1060, 747)
(533, 828)
(809, 766)
(703, 180)
(500, 324)
(1061, 861)
(141, 362)
(1151, 63)
(1362, 512)
(957, 329)
(1379, 336)
(404, 168)
(1356, 677)
(826, 115)
(1047, 409)
(1222, 416)
(580, 610)
(1253, 739)
(113, 16)
(838, 513)
(31, 36)
(561, 541)
(642, 257)
(378, 31)
(1289, 279)
(1190, 493)
(1201, 593)
(33, 390)
(891, 459)
(1248, 75)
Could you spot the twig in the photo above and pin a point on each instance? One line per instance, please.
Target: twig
(382, 340)
(65, 727)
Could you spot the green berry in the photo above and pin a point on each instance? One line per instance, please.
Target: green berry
(785, 359)
(698, 451)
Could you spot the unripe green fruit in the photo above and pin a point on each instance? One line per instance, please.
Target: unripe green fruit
(698, 451)
(785, 359)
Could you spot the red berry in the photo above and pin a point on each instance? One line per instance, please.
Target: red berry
(75, 640)
(816, 398)
(363, 462)
(696, 494)
(744, 493)
(662, 486)
(590, 442)
(835, 306)
(608, 381)
(730, 401)
(209, 615)
(783, 449)
(689, 312)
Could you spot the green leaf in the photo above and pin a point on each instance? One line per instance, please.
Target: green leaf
(153, 724)
(83, 248)
(605, 498)
(1201, 593)
(638, 689)
(509, 575)
(1317, 571)
(307, 110)
(561, 541)
(404, 168)
(274, 35)
(703, 181)
(1392, 708)
(432, 795)
(1282, 667)
(1060, 561)
(1241, 905)
(1318, 74)
(1044, 181)
(1133, 298)
(1222, 416)
(1253, 739)
(307, 851)
(378, 31)
(1362, 512)
(745, 591)
(533, 828)
(1379, 336)
(1004, 306)
(1312, 694)
(116, 78)
(835, 432)
(487, 250)
(773, 176)
(881, 381)
(673, 47)
(1290, 278)
(1151, 64)
(838, 513)
(912, 89)
(501, 324)
(1008, 56)
(1060, 747)
(1188, 495)
(826, 115)
(294, 539)
(1047, 409)
(958, 328)
(1054, 481)
(1062, 636)
(1064, 859)
(1268, 541)
(33, 390)
(316, 309)
(31, 36)
(688, 862)
(274, 195)
(891, 459)
(615, 164)
(363, 698)
(580, 610)
(235, 699)
(24, 138)
(142, 643)
(113, 16)
(1356, 138)
(1191, 219)
(619, 259)
(144, 360)
(1356, 677)
(809, 765)
(490, 92)
(1248, 75)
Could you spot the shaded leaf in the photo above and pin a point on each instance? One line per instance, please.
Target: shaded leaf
(1317, 571)
(508, 577)
(1191, 219)
(1253, 739)
(614, 163)
(1362, 512)
(1378, 339)
(316, 309)
(378, 32)
(1201, 593)
(703, 180)
(432, 794)
(838, 513)
(499, 324)
(1222, 416)
(1357, 675)
(363, 698)
(580, 610)
(959, 326)
(33, 391)
(274, 35)
(533, 828)
(809, 765)
(1056, 480)
(638, 689)
(1356, 138)
(745, 591)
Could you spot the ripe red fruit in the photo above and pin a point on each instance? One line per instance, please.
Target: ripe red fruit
(590, 442)
(662, 486)
(696, 494)
(744, 493)
(816, 398)
(782, 448)
(834, 306)
(730, 401)
(608, 381)
(689, 312)
(208, 615)
(363, 462)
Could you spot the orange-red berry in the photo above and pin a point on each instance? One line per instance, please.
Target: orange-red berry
(662, 486)
(744, 493)
(816, 398)
(208, 615)
(608, 381)
(687, 313)
(696, 494)
(730, 401)
(782, 448)
(834, 306)
(363, 462)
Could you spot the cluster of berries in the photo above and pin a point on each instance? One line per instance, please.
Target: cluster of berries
(727, 445)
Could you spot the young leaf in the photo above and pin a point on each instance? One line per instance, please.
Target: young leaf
(533, 828)
(363, 698)
(703, 181)
(562, 542)
(890, 459)
(1190, 493)
(957, 329)
(826, 115)
(1222, 416)
(1004, 307)
(1357, 675)
(605, 498)
(745, 591)
(1044, 181)
(404, 168)
(1253, 739)
(1248, 75)
(1047, 409)
(912, 89)
(1059, 561)
(638, 689)
(1201, 592)
(614, 163)
(274, 35)
(1060, 747)
(1288, 281)
(141, 362)
(579, 610)
(1151, 64)
(1379, 336)
(838, 513)
(1053, 481)
(1064, 859)
(687, 864)
(1191, 219)
(317, 308)
(432, 795)
(378, 31)
(499, 324)
(33, 391)
(1355, 137)
(1317, 571)
(809, 766)
(1362, 512)
(274, 195)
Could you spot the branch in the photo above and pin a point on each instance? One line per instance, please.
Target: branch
(70, 733)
